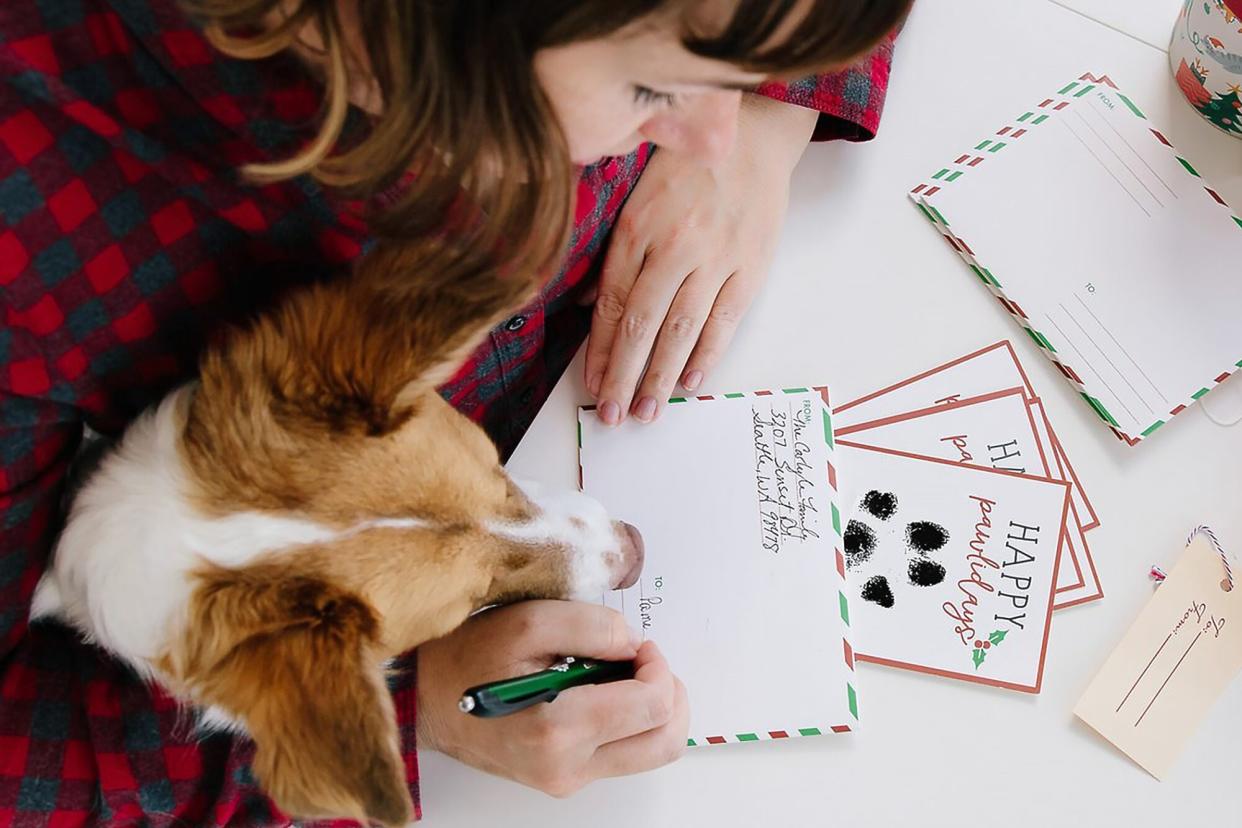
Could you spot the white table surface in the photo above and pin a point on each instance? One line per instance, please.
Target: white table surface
(1150, 21)
(864, 293)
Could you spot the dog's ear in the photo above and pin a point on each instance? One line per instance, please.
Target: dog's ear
(355, 354)
(437, 315)
(293, 658)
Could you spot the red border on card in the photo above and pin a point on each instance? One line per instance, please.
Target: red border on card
(1069, 467)
(1075, 557)
(933, 410)
(928, 411)
(1004, 343)
(857, 432)
(1073, 550)
(1043, 651)
(1057, 446)
(1096, 591)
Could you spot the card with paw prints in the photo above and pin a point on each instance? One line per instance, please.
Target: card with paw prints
(952, 568)
(978, 373)
(1000, 430)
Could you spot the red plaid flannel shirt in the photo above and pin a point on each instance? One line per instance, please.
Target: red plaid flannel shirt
(126, 238)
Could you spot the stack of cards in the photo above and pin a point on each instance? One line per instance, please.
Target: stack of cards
(966, 523)
(1105, 244)
(934, 525)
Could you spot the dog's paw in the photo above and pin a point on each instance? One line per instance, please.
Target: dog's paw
(868, 534)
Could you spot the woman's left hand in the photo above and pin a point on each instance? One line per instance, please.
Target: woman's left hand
(690, 251)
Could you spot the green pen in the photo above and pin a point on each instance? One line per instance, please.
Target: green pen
(500, 698)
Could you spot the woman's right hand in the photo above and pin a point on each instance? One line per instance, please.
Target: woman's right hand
(587, 733)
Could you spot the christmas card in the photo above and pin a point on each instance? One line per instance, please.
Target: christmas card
(1105, 244)
(952, 566)
(1085, 585)
(980, 372)
(744, 584)
(1000, 430)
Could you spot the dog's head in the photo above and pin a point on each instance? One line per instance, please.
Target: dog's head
(390, 521)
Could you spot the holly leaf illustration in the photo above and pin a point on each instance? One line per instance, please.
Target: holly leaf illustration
(997, 636)
(978, 657)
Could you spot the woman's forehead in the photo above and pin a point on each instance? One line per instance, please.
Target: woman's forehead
(658, 50)
(708, 18)
(675, 24)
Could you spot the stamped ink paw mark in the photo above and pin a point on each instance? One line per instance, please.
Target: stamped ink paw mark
(922, 538)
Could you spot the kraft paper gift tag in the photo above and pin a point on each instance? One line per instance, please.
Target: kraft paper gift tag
(1172, 665)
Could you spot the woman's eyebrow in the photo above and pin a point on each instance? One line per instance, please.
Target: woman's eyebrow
(738, 86)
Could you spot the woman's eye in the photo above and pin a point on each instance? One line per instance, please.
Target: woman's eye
(645, 96)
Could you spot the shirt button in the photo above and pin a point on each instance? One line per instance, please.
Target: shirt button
(515, 324)
(525, 397)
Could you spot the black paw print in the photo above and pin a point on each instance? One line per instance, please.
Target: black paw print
(922, 537)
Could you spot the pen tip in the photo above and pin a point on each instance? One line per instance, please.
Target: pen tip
(466, 704)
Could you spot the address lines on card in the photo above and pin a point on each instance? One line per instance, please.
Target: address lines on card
(1144, 187)
(1104, 119)
(1085, 332)
(772, 446)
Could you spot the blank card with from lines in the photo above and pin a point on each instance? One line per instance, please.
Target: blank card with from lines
(1106, 245)
(1174, 663)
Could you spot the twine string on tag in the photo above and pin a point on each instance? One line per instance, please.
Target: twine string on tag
(1159, 575)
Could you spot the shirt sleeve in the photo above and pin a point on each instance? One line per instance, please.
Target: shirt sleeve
(35, 438)
(849, 102)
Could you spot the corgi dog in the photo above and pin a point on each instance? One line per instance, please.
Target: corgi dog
(271, 534)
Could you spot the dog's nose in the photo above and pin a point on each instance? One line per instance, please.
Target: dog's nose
(631, 555)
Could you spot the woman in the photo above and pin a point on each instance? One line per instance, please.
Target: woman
(514, 135)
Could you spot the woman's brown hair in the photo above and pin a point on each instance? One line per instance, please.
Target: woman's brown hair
(464, 125)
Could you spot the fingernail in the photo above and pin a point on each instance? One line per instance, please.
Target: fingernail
(610, 412)
(692, 380)
(636, 638)
(646, 409)
(593, 384)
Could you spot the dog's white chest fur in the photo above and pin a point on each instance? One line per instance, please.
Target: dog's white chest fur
(121, 572)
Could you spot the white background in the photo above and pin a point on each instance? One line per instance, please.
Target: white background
(871, 295)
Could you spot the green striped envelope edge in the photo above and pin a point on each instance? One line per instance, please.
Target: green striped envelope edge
(850, 691)
(1068, 94)
(783, 733)
(1020, 125)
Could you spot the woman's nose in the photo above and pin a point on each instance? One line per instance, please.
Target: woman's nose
(702, 127)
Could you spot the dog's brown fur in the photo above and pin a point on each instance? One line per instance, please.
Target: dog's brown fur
(327, 409)
(298, 658)
(284, 409)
